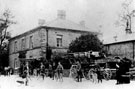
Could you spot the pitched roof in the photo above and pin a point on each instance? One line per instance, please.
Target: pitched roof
(62, 24)
(66, 24)
(122, 38)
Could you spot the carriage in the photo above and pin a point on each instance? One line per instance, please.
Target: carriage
(107, 69)
(107, 65)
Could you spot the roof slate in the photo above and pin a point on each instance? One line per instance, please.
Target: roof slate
(67, 24)
(62, 24)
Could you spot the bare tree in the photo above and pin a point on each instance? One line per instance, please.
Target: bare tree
(125, 16)
(5, 22)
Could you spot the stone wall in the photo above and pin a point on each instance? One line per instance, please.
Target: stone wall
(36, 39)
(124, 49)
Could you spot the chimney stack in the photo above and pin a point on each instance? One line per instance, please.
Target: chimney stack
(82, 23)
(41, 22)
(61, 14)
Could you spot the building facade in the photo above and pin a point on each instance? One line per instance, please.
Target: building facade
(56, 35)
(121, 49)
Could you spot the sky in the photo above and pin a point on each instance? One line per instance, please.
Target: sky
(97, 14)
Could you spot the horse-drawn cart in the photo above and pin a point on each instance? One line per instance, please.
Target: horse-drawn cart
(106, 66)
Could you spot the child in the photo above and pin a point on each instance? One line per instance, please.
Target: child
(79, 72)
(99, 75)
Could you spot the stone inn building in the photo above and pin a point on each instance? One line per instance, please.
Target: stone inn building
(57, 35)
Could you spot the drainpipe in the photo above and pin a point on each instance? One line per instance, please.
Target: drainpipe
(46, 43)
(133, 51)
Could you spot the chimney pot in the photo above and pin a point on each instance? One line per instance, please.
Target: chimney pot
(82, 23)
(41, 22)
(61, 14)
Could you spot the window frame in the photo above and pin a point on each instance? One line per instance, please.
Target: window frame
(16, 65)
(22, 44)
(59, 40)
(31, 42)
(15, 46)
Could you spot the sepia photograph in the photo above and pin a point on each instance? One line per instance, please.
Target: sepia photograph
(67, 44)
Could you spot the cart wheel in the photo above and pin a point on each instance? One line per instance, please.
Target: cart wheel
(107, 74)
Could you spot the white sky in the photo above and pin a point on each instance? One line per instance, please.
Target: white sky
(94, 12)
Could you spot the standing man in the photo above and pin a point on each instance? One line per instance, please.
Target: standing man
(53, 70)
(118, 71)
(26, 72)
(79, 72)
(60, 71)
(50, 70)
(42, 70)
(99, 74)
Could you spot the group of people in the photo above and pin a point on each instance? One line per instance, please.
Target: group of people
(78, 73)
(7, 71)
(96, 75)
(122, 75)
(53, 71)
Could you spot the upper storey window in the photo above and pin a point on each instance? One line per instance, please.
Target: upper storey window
(23, 44)
(31, 42)
(15, 46)
(59, 40)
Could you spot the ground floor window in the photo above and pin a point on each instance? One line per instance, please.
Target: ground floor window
(16, 63)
